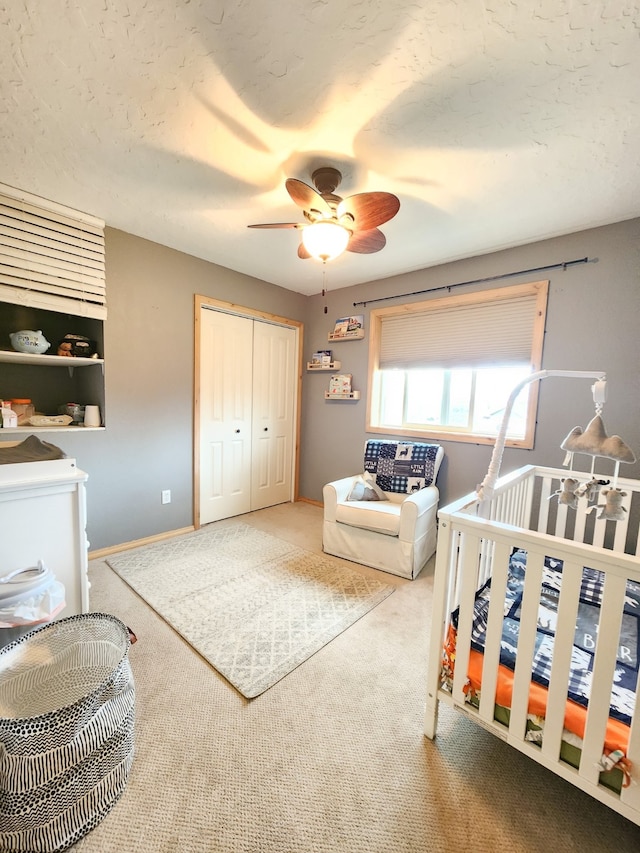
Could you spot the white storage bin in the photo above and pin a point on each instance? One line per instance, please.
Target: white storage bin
(67, 707)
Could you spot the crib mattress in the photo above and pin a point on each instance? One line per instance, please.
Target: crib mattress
(623, 693)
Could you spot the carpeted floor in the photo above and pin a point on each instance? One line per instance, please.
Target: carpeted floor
(332, 759)
(255, 606)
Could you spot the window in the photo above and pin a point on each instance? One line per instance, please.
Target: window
(444, 368)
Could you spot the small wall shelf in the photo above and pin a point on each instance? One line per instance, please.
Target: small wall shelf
(353, 395)
(315, 366)
(356, 335)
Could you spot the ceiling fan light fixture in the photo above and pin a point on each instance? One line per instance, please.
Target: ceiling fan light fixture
(325, 240)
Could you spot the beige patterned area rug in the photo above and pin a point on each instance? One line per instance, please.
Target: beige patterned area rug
(254, 606)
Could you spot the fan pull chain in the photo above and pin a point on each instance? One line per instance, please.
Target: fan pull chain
(324, 285)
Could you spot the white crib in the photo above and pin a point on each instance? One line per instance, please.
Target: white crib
(475, 542)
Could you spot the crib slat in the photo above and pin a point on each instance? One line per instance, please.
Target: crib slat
(599, 530)
(453, 576)
(631, 796)
(523, 501)
(561, 663)
(543, 515)
(603, 670)
(526, 644)
(469, 545)
(496, 507)
(509, 511)
(491, 659)
(486, 561)
(516, 518)
(561, 520)
(528, 484)
(581, 520)
(620, 537)
(517, 505)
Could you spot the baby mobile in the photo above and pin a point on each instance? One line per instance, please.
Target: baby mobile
(594, 441)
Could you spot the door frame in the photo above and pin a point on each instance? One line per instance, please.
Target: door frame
(206, 303)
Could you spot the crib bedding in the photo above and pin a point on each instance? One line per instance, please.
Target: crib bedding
(625, 684)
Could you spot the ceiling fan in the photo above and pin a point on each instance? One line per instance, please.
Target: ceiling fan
(333, 223)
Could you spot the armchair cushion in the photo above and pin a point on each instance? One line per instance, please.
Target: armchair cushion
(381, 517)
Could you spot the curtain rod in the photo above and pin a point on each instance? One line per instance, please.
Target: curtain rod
(562, 266)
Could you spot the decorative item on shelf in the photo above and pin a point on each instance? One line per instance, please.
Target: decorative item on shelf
(24, 409)
(348, 328)
(29, 341)
(340, 384)
(77, 346)
(92, 416)
(322, 357)
(74, 410)
(8, 417)
(50, 420)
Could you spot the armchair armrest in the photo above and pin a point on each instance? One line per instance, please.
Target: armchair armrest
(334, 492)
(417, 512)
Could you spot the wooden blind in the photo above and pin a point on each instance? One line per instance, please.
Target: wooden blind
(51, 256)
(477, 330)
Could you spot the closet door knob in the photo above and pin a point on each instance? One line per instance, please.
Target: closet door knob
(237, 430)
(266, 429)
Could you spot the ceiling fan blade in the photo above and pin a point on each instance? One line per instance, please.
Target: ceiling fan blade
(302, 252)
(367, 242)
(277, 225)
(369, 209)
(306, 197)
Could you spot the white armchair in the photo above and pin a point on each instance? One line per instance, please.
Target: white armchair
(396, 534)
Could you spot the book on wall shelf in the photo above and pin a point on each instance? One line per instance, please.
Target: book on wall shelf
(322, 358)
(348, 329)
(340, 385)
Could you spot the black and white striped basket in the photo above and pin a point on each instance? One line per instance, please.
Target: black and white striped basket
(67, 707)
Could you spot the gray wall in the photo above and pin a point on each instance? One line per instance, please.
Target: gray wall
(149, 346)
(593, 323)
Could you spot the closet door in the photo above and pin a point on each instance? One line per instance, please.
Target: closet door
(226, 367)
(274, 397)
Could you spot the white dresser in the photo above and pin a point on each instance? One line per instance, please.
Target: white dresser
(43, 517)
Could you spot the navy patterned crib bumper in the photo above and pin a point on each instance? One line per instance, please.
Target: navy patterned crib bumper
(67, 707)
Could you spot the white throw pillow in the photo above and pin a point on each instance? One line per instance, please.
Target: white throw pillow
(365, 488)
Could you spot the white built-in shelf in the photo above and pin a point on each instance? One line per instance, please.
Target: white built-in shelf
(353, 395)
(27, 428)
(356, 335)
(316, 366)
(50, 360)
(44, 360)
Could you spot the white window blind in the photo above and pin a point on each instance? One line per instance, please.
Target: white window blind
(51, 256)
(478, 330)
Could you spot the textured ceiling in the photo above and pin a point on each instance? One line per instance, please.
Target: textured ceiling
(495, 123)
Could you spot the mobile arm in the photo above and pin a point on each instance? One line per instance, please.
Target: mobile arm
(486, 489)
